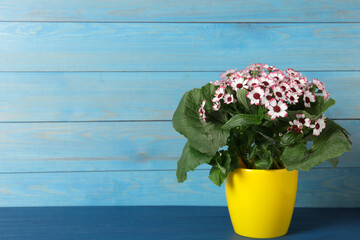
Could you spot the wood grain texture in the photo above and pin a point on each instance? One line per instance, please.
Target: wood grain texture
(131, 96)
(176, 46)
(46, 147)
(181, 11)
(163, 223)
(317, 188)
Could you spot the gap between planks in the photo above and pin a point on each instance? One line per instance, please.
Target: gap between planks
(177, 22)
(126, 121)
(119, 171)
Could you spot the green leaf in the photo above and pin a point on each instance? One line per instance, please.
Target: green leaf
(261, 156)
(320, 106)
(206, 137)
(293, 155)
(334, 162)
(331, 143)
(189, 160)
(217, 176)
(243, 100)
(290, 138)
(222, 166)
(265, 132)
(241, 120)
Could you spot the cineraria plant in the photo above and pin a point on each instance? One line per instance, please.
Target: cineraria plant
(258, 118)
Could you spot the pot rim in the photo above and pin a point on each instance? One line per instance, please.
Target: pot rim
(264, 170)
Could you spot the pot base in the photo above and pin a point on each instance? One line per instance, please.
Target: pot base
(261, 202)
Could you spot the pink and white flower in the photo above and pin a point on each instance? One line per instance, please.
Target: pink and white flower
(266, 82)
(300, 81)
(267, 97)
(291, 72)
(278, 93)
(318, 126)
(294, 87)
(218, 83)
(309, 97)
(296, 126)
(228, 98)
(216, 106)
(292, 97)
(270, 68)
(220, 92)
(277, 109)
(304, 121)
(326, 94)
(320, 85)
(239, 83)
(255, 66)
(202, 110)
(284, 86)
(276, 76)
(255, 95)
(225, 75)
(254, 82)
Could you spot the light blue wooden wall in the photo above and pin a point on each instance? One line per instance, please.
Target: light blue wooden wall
(88, 88)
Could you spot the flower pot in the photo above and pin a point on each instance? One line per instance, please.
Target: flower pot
(261, 202)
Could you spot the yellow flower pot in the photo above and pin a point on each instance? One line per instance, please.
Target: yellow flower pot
(261, 202)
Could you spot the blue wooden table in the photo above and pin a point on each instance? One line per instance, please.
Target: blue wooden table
(163, 223)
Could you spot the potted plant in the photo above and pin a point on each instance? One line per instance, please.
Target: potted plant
(257, 127)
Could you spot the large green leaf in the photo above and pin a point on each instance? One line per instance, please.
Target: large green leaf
(320, 106)
(293, 155)
(222, 166)
(243, 100)
(189, 160)
(331, 143)
(206, 137)
(290, 138)
(241, 120)
(261, 156)
(334, 161)
(217, 176)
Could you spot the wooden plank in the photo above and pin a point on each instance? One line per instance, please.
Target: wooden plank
(180, 11)
(152, 96)
(176, 46)
(107, 147)
(163, 223)
(317, 188)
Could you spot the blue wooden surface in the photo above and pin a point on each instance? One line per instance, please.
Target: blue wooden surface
(39, 147)
(157, 223)
(177, 46)
(320, 187)
(87, 89)
(181, 10)
(95, 96)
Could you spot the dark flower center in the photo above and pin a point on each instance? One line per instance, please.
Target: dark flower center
(293, 89)
(239, 85)
(302, 120)
(279, 94)
(307, 99)
(256, 95)
(292, 98)
(229, 99)
(220, 95)
(266, 83)
(283, 88)
(317, 126)
(268, 97)
(277, 109)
